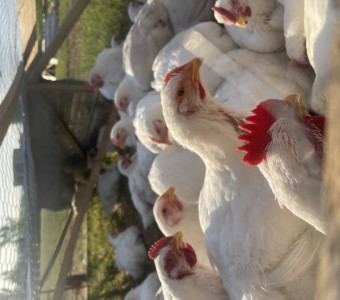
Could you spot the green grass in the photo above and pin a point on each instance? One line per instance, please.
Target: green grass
(105, 281)
(39, 24)
(62, 69)
(52, 225)
(100, 20)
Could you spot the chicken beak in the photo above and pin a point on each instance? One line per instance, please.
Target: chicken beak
(170, 193)
(120, 145)
(240, 22)
(194, 67)
(296, 102)
(179, 240)
(167, 141)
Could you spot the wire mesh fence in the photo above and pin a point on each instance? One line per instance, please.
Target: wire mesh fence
(10, 45)
(19, 214)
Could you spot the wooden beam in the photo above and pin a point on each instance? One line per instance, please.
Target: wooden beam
(61, 125)
(56, 251)
(70, 20)
(10, 103)
(329, 272)
(30, 44)
(84, 195)
(72, 86)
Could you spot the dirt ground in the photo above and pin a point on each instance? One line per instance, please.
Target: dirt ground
(27, 21)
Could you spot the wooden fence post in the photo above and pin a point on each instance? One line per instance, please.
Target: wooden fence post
(70, 20)
(329, 269)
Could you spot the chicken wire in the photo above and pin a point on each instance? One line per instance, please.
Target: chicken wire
(10, 45)
(19, 214)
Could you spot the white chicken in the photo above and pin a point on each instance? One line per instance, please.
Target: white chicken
(151, 31)
(261, 251)
(184, 14)
(172, 215)
(133, 10)
(287, 145)
(145, 158)
(261, 25)
(147, 290)
(141, 193)
(110, 146)
(123, 133)
(254, 25)
(205, 39)
(294, 32)
(319, 22)
(116, 41)
(178, 167)
(250, 77)
(107, 72)
(108, 188)
(128, 95)
(131, 254)
(149, 123)
(181, 276)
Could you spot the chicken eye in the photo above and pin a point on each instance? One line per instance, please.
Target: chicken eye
(169, 260)
(164, 210)
(180, 92)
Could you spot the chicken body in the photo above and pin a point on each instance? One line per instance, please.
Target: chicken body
(247, 234)
(148, 112)
(141, 193)
(184, 14)
(178, 167)
(128, 95)
(131, 254)
(205, 39)
(147, 290)
(292, 160)
(319, 21)
(107, 72)
(255, 25)
(250, 77)
(150, 32)
(108, 188)
(122, 133)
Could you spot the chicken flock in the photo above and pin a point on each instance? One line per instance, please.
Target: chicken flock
(224, 104)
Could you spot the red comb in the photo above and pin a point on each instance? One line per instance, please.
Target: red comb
(168, 75)
(258, 137)
(156, 247)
